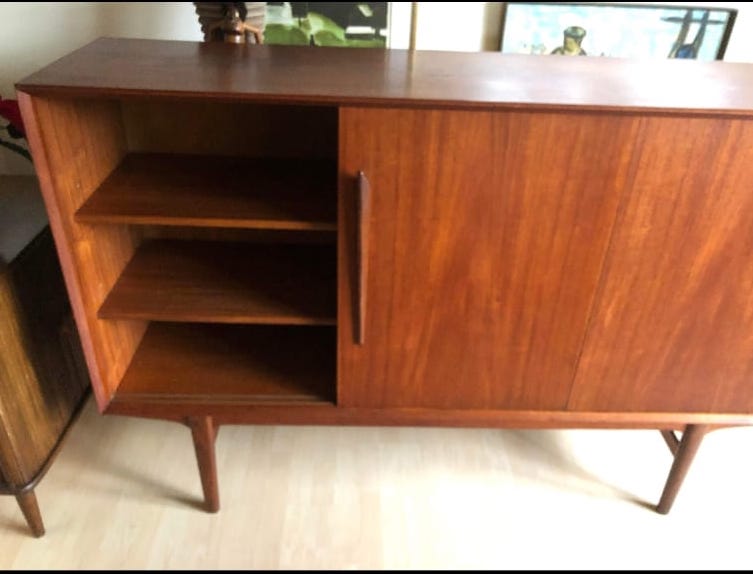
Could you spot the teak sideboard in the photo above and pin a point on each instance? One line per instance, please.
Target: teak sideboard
(282, 235)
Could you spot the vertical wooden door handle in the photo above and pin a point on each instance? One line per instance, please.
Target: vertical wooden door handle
(363, 210)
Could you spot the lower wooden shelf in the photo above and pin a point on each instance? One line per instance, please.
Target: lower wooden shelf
(182, 363)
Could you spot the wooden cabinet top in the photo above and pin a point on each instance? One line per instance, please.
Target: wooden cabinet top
(122, 68)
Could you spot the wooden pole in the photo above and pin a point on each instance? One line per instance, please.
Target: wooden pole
(413, 25)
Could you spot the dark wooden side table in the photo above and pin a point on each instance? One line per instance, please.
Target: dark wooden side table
(43, 380)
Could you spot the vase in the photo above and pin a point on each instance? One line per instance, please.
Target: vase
(211, 13)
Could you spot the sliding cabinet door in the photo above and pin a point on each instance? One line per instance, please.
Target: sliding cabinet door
(673, 326)
(470, 252)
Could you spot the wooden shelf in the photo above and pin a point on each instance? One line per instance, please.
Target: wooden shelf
(198, 363)
(207, 191)
(193, 281)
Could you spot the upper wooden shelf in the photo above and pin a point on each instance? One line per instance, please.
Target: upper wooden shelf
(294, 74)
(207, 191)
(227, 283)
(190, 363)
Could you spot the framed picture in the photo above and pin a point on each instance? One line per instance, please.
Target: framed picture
(347, 24)
(616, 30)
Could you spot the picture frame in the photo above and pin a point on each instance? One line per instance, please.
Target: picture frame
(617, 30)
(341, 24)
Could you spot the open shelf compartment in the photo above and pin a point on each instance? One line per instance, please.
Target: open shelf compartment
(210, 191)
(218, 282)
(201, 363)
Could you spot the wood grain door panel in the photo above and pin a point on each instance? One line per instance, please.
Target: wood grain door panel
(487, 237)
(673, 325)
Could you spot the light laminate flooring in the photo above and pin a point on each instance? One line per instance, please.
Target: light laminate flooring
(124, 494)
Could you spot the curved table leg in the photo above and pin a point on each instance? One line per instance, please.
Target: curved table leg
(28, 503)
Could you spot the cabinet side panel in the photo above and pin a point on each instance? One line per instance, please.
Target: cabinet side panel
(488, 233)
(76, 144)
(673, 326)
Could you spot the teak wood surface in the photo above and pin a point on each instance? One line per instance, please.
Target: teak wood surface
(195, 190)
(543, 242)
(76, 145)
(294, 74)
(673, 326)
(541, 237)
(241, 364)
(487, 236)
(226, 282)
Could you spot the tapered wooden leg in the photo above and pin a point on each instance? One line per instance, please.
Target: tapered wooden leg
(204, 434)
(28, 503)
(684, 455)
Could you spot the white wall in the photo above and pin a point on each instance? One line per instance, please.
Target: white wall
(32, 36)
(157, 20)
(36, 33)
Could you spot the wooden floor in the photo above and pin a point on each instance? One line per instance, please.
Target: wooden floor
(123, 494)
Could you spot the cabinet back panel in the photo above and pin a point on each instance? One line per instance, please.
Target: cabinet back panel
(488, 233)
(231, 129)
(673, 326)
(76, 144)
